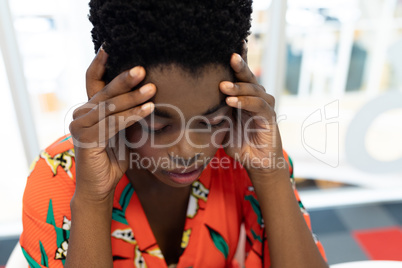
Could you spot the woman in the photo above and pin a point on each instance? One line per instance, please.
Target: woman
(176, 147)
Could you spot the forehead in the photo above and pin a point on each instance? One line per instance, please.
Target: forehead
(193, 94)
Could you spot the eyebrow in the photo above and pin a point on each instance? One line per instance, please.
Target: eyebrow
(166, 114)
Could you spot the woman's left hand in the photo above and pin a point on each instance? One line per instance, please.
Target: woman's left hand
(254, 138)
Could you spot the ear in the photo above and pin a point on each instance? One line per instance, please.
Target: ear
(245, 51)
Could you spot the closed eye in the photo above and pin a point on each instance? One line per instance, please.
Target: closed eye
(156, 131)
(220, 123)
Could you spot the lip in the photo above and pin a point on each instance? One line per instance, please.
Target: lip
(180, 177)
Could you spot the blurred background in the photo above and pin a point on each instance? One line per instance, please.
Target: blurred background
(334, 67)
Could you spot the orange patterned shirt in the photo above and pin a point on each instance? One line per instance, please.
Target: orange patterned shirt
(220, 201)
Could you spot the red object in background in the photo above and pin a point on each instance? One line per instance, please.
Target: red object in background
(381, 244)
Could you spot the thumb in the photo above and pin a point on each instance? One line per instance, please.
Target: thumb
(95, 72)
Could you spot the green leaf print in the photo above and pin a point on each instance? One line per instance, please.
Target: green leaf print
(120, 215)
(50, 214)
(256, 207)
(219, 242)
(61, 234)
(256, 236)
(66, 138)
(126, 196)
(291, 164)
(44, 260)
(32, 263)
(301, 205)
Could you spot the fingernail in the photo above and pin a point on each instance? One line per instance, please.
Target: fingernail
(238, 59)
(100, 49)
(232, 100)
(148, 106)
(136, 71)
(145, 89)
(229, 85)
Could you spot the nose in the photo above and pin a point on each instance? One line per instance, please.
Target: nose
(184, 152)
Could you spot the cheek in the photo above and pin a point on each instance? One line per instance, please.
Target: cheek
(134, 134)
(220, 134)
(140, 143)
(215, 141)
(148, 158)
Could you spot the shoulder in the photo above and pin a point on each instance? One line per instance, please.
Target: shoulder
(62, 144)
(56, 158)
(46, 203)
(51, 178)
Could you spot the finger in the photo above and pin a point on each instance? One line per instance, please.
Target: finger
(121, 84)
(249, 103)
(83, 109)
(241, 89)
(241, 70)
(111, 125)
(95, 72)
(246, 89)
(108, 127)
(118, 104)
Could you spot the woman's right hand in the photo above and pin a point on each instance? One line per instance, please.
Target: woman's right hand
(100, 160)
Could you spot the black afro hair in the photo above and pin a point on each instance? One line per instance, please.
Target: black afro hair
(150, 33)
